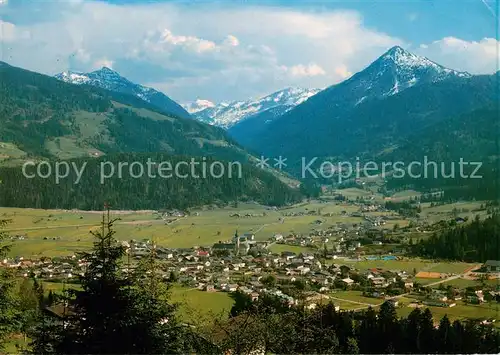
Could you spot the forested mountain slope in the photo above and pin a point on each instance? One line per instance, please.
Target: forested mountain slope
(43, 116)
(397, 95)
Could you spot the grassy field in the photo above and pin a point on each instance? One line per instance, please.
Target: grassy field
(194, 306)
(461, 311)
(405, 195)
(464, 283)
(353, 192)
(58, 287)
(356, 296)
(9, 150)
(279, 248)
(409, 264)
(15, 344)
(71, 229)
(200, 307)
(465, 209)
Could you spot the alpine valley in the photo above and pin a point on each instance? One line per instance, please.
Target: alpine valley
(381, 112)
(402, 107)
(249, 177)
(398, 96)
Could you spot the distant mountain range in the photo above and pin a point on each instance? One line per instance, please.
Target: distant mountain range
(109, 79)
(401, 106)
(228, 114)
(397, 95)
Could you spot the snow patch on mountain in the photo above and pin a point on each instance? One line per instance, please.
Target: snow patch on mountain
(198, 105)
(407, 69)
(392, 73)
(227, 114)
(73, 77)
(111, 80)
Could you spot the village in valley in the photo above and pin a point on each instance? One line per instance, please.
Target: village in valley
(351, 250)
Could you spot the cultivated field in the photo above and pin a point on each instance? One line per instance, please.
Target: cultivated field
(194, 306)
(56, 232)
(461, 311)
(409, 265)
(464, 209)
(200, 307)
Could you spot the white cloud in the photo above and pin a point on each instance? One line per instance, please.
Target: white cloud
(8, 31)
(82, 55)
(476, 57)
(305, 70)
(232, 41)
(191, 42)
(342, 71)
(215, 51)
(103, 62)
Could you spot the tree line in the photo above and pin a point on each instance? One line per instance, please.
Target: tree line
(476, 241)
(128, 191)
(272, 327)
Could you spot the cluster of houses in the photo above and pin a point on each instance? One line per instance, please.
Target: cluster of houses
(247, 215)
(55, 269)
(18, 237)
(210, 270)
(449, 297)
(174, 213)
(376, 221)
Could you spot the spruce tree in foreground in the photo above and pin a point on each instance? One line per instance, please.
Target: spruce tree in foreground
(9, 312)
(114, 312)
(158, 328)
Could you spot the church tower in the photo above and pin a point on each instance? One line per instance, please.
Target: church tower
(237, 245)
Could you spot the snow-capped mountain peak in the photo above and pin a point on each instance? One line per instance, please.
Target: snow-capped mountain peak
(106, 73)
(407, 60)
(227, 114)
(73, 77)
(198, 105)
(111, 80)
(107, 70)
(393, 72)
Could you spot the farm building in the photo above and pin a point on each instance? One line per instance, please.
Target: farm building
(492, 265)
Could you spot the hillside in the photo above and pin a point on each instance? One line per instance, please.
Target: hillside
(245, 131)
(471, 138)
(147, 191)
(42, 116)
(45, 118)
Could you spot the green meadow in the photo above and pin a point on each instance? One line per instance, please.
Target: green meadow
(71, 229)
(59, 232)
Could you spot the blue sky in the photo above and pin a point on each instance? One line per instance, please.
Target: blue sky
(233, 50)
